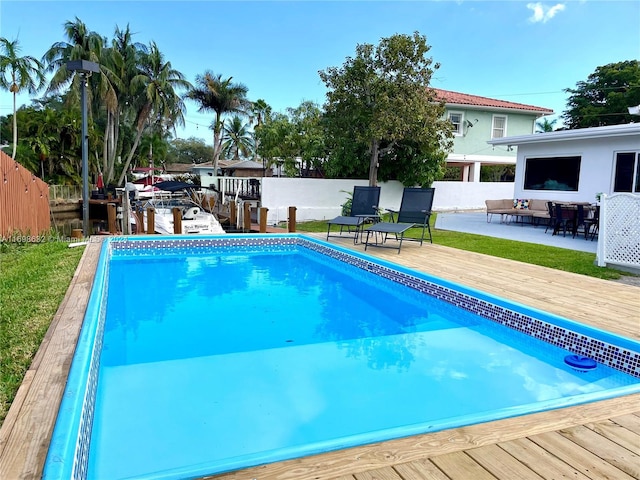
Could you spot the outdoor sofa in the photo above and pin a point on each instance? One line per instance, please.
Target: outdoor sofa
(508, 208)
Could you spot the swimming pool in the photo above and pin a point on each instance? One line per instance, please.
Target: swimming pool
(289, 366)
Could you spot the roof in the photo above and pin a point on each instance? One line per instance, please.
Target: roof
(456, 98)
(221, 164)
(608, 131)
(179, 167)
(244, 165)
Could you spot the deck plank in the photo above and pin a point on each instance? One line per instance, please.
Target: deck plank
(460, 466)
(386, 473)
(500, 463)
(618, 434)
(579, 458)
(422, 469)
(630, 422)
(545, 464)
(613, 453)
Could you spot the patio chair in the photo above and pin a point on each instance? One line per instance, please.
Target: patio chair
(565, 219)
(593, 223)
(581, 224)
(552, 217)
(415, 211)
(364, 208)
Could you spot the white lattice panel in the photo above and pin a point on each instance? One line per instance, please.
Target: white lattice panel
(620, 230)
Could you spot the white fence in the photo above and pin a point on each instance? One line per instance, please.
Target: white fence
(321, 199)
(619, 232)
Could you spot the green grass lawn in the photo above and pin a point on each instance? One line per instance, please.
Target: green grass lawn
(33, 281)
(35, 277)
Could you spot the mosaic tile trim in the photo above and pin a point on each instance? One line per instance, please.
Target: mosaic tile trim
(83, 442)
(181, 247)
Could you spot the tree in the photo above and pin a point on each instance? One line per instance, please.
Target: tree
(122, 59)
(18, 73)
(84, 44)
(545, 125)
(298, 135)
(236, 139)
(604, 98)
(51, 143)
(274, 142)
(308, 136)
(260, 111)
(192, 150)
(222, 97)
(156, 100)
(382, 117)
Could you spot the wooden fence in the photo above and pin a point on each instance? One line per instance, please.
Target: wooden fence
(24, 202)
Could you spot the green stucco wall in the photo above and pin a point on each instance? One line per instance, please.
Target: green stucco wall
(474, 139)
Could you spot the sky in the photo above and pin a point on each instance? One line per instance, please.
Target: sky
(520, 51)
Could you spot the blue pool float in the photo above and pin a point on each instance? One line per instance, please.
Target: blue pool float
(580, 362)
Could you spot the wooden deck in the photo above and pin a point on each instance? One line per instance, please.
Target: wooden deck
(600, 440)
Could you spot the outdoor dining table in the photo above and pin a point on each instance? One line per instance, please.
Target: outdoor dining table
(568, 215)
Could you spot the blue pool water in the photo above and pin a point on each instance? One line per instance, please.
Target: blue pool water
(230, 357)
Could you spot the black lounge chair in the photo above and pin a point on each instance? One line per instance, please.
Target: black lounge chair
(364, 208)
(415, 211)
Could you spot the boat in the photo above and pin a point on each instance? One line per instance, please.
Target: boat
(171, 195)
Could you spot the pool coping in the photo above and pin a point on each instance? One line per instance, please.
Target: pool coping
(26, 432)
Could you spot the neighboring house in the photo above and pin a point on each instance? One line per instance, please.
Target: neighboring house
(245, 168)
(179, 168)
(207, 175)
(576, 165)
(478, 119)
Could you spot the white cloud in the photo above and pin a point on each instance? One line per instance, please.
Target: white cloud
(543, 13)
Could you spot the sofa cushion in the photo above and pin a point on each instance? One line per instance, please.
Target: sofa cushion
(500, 204)
(538, 205)
(521, 203)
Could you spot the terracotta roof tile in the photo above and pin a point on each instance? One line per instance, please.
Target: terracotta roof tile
(457, 98)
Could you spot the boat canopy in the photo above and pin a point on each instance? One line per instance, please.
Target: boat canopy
(173, 186)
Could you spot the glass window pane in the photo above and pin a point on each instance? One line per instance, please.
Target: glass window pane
(552, 173)
(456, 121)
(637, 189)
(499, 124)
(623, 180)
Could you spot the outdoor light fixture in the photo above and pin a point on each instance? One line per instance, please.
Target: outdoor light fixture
(84, 68)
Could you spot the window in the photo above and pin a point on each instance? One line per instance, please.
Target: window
(552, 173)
(627, 169)
(456, 120)
(499, 128)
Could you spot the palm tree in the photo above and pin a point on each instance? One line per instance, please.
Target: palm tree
(213, 94)
(236, 139)
(122, 58)
(155, 98)
(18, 73)
(545, 125)
(82, 44)
(260, 111)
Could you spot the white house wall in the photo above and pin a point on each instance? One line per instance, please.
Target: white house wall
(321, 199)
(596, 167)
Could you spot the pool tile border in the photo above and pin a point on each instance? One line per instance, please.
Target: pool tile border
(621, 359)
